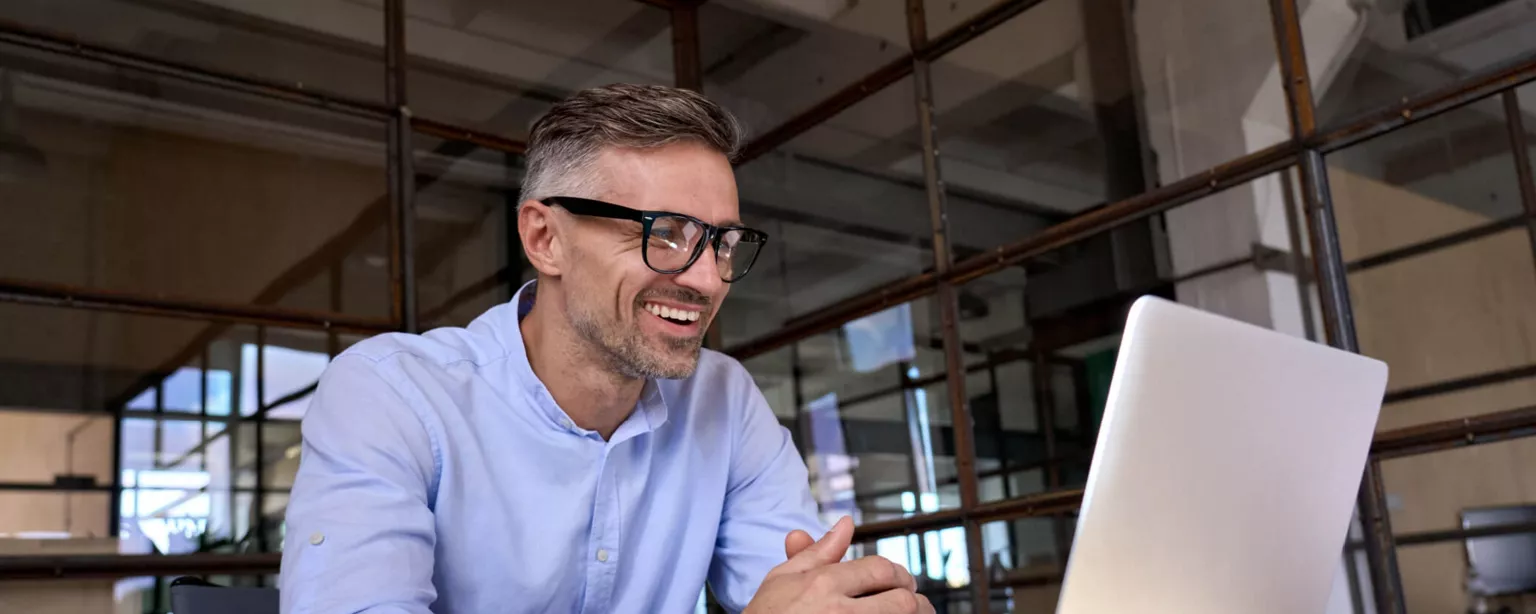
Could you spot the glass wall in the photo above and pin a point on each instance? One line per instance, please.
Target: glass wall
(196, 216)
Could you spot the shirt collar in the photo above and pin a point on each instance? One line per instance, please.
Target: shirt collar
(650, 413)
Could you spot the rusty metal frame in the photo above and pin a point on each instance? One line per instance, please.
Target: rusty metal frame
(949, 310)
(1332, 285)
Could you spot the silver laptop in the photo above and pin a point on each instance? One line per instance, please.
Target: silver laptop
(1226, 470)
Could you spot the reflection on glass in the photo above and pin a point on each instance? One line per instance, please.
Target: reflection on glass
(468, 258)
(937, 559)
(54, 515)
(1366, 56)
(1448, 174)
(497, 66)
(335, 47)
(1484, 287)
(866, 418)
(269, 196)
(766, 62)
(846, 211)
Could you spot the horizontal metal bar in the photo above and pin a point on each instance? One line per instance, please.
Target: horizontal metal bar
(1438, 243)
(826, 109)
(1041, 504)
(60, 295)
(1364, 126)
(1433, 537)
(52, 487)
(1455, 535)
(112, 566)
(1457, 385)
(33, 38)
(885, 76)
(450, 132)
(1448, 434)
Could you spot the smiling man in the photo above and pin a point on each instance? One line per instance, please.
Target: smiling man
(575, 450)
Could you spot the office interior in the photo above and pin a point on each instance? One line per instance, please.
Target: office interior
(203, 201)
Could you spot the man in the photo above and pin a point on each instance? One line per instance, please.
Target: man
(573, 450)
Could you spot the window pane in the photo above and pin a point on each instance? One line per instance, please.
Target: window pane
(1483, 486)
(152, 186)
(1449, 174)
(1366, 57)
(38, 446)
(870, 419)
(1477, 320)
(496, 66)
(56, 514)
(332, 47)
(79, 360)
(1024, 563)
(767, 62)
(468, 258)
(840, 221)
(938, 560)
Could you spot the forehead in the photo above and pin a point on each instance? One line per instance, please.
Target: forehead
(686, 177)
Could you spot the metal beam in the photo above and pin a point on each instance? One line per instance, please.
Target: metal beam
(402, 174)
(1333, 289)
(949, 309)
(60, 295)
(1450, 434)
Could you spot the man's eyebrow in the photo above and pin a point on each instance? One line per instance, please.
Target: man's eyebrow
(729, 223)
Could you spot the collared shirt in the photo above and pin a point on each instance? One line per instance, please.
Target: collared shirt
(439, 475)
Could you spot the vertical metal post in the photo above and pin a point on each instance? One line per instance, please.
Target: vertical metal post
(949, 309)
(1333, 290)
(687, 72)
(402, 173)
(1514, 118)
(257, 420)
(332, 340)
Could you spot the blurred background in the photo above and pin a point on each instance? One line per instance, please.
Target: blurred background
(202, 201)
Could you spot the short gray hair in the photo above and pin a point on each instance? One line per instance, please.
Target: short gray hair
(567, 139)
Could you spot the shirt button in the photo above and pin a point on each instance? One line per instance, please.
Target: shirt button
(602, 555)
(566, 422)
(317, 539)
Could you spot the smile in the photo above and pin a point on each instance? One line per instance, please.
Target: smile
(673, 314)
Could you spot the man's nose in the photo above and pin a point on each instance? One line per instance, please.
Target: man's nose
(703, 276)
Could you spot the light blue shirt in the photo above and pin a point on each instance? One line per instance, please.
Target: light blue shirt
(438, 474)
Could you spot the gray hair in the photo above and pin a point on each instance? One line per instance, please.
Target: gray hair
(567, 139)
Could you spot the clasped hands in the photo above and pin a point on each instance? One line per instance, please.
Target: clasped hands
(815, 580)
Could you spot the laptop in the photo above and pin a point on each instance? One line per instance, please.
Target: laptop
(1226, 470)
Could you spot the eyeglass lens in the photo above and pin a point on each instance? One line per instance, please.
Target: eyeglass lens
(674, 239)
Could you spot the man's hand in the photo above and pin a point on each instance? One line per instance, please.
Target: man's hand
(813, 581)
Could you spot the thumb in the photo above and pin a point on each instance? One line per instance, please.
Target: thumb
(796, 542)
(826, 551)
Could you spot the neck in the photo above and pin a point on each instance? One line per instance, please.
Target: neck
(575, 373)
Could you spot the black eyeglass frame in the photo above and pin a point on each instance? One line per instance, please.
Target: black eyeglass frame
(712, 233)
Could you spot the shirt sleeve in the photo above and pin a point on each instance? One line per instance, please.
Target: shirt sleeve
(360, 534)
(768, 495)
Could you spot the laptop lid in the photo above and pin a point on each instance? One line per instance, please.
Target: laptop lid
(1225, 472)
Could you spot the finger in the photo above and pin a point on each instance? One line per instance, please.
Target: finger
(826, 551)
(896, 600)
(796, 542)
(867, 576)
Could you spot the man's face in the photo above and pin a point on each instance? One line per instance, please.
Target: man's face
(648, 324)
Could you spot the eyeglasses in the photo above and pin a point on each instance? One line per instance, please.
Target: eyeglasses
(673, 241)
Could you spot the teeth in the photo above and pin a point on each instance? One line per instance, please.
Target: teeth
(672, 313)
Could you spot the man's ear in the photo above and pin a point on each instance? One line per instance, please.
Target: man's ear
(540, 233)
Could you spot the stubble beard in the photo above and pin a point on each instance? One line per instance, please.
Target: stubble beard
(628, 352)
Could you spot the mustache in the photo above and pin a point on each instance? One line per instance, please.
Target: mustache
(680, 295)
